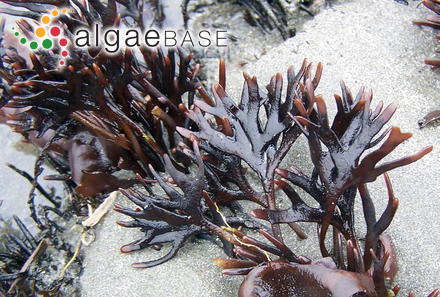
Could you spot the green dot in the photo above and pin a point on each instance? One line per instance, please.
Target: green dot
(47, 43)
(23, 40)
(33, 45)
(16, 33)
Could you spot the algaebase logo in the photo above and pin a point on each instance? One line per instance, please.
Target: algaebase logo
(48, 36)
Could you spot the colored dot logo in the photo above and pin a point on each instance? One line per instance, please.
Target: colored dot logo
(63, 41)
(47, 43)
(33, 45)
(40, 32)
(55, 31)
(45, 19)
(48, 36)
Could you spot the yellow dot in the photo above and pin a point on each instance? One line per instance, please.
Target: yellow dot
(55, 12)
(70, 10)
(45, 19)
(40, 32)
(64, 10)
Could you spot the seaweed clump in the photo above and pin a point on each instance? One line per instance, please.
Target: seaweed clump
(95, 117)
(270, 15)
(19, 250)
(340, 171)
(99, 115)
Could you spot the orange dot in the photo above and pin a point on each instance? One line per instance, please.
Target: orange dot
(64, 10)
(55, 12)
(45, 19)
(40, 32)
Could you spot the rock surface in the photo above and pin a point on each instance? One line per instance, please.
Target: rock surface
(366, 43)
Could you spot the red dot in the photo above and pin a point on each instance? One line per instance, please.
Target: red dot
(63, 41)
(55, 31)
(64, 53)
(61, 62)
